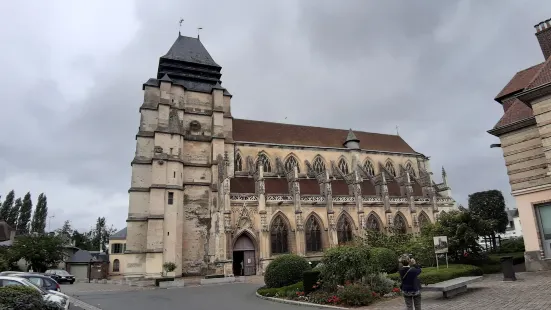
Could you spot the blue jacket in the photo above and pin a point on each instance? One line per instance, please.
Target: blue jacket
(410, 280)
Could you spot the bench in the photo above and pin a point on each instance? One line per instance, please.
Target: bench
(452, 287)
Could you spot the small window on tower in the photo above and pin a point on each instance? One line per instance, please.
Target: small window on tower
(170, 198)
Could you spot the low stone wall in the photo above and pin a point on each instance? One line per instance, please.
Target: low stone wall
(175, 283)
(217, 280)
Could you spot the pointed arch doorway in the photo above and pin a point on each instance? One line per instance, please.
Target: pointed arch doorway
(244, 262)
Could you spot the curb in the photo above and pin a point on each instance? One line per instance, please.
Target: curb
(298, 303)
(82, 304)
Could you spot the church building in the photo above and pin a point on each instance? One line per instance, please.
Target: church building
(217, 194)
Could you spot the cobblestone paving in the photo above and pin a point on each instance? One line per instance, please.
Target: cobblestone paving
(530, 292)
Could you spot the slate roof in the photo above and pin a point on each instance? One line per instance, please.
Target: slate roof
(519, 81)
(278, 133)
(191, 50)
(119, 235)
(84, 256)
(517, 111)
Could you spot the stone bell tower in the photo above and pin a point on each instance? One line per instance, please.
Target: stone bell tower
(185, 126)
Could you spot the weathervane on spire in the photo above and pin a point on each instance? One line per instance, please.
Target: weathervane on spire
(180, 29)
(198, 31)
(397, 131)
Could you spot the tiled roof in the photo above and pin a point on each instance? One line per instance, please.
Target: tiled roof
(276, 186)
(242, 185)
(278, 133)
(520, 80)
(190, 49)
(518, 111)
(394, 189)
(543, 76)
(368, 189)
(309, 187)
(339, 188)
(119, 235)
(417, 189)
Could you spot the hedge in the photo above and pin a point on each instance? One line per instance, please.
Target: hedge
(23, 298)
(432, 275)
(280, 291)
(310, 278)
(385, 260)
(285, 270)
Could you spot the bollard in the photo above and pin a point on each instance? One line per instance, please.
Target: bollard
(507, 268)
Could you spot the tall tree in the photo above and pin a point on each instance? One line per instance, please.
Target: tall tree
(25, 214)
(65, 232)
(101, 234)
(41, 251)
(83, 240)
(7, 205)
(38, 224)
(14, 213)
(490, 207)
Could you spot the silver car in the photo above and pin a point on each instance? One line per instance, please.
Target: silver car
(56, 297)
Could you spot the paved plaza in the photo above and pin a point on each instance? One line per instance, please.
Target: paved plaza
(530, 292)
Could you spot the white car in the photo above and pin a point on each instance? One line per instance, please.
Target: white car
(56, 297)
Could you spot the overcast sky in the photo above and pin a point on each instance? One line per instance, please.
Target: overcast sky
(71, 75)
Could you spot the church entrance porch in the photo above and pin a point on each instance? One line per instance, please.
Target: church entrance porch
(244, 262)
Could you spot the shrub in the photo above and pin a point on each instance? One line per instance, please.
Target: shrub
(379, 283)
(345, 263)
(432, 275)
(512, 245)
(280, 291)
(285, 270)
(383, 259)
(310, 278)
(169, 266)
(355, 295)
(23, 298)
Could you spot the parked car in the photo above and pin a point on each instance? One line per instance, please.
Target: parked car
(9, 273)
(43, 281)
(53, 296)
(60, 275)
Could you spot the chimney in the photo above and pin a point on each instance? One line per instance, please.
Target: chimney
(543, 33)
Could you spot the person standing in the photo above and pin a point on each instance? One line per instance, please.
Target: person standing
(411, 285)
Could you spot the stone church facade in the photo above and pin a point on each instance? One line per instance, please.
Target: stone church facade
(216, 194)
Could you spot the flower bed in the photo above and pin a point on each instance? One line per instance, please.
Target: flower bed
(349, 295)
(432, 275)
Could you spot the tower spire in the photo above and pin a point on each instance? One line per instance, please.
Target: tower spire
(180, 28)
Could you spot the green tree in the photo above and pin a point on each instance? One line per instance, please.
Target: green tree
(101, 234)
(40, 251)
(462, 229)
(65, 232)
(490, 207)
(7, 205)
(25, 214)
(83, 240)
(38, 224)
(14, 213)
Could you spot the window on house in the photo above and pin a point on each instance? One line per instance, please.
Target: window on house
(170, 198)
(390, 167)
(279, 236)
(343, 166)
(238, 162)
(318, 165)
(290, 163)
(117, 248)
(116, 265)
(265, 162)
(344, 230)
(368, 166)
(313, 235)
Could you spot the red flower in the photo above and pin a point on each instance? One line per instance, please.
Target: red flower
(374, 294)
(396, 290)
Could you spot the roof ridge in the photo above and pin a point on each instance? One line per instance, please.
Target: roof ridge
(330, 128)
(529, 85)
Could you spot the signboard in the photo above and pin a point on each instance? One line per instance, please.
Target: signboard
(441, 244)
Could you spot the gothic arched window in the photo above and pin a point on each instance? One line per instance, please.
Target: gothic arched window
(265, 162)
(343, 166)
(318, 165)
(400, 224)
(390, 167)
(344, 230)
(373, 223)
(313, 235)
(116, 265)
(409, 169)
(291, 162)
(238, 162)
(368, 166)
(279, 236)
(423, 219)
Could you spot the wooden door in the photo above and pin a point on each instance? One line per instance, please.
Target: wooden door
(249, 263)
